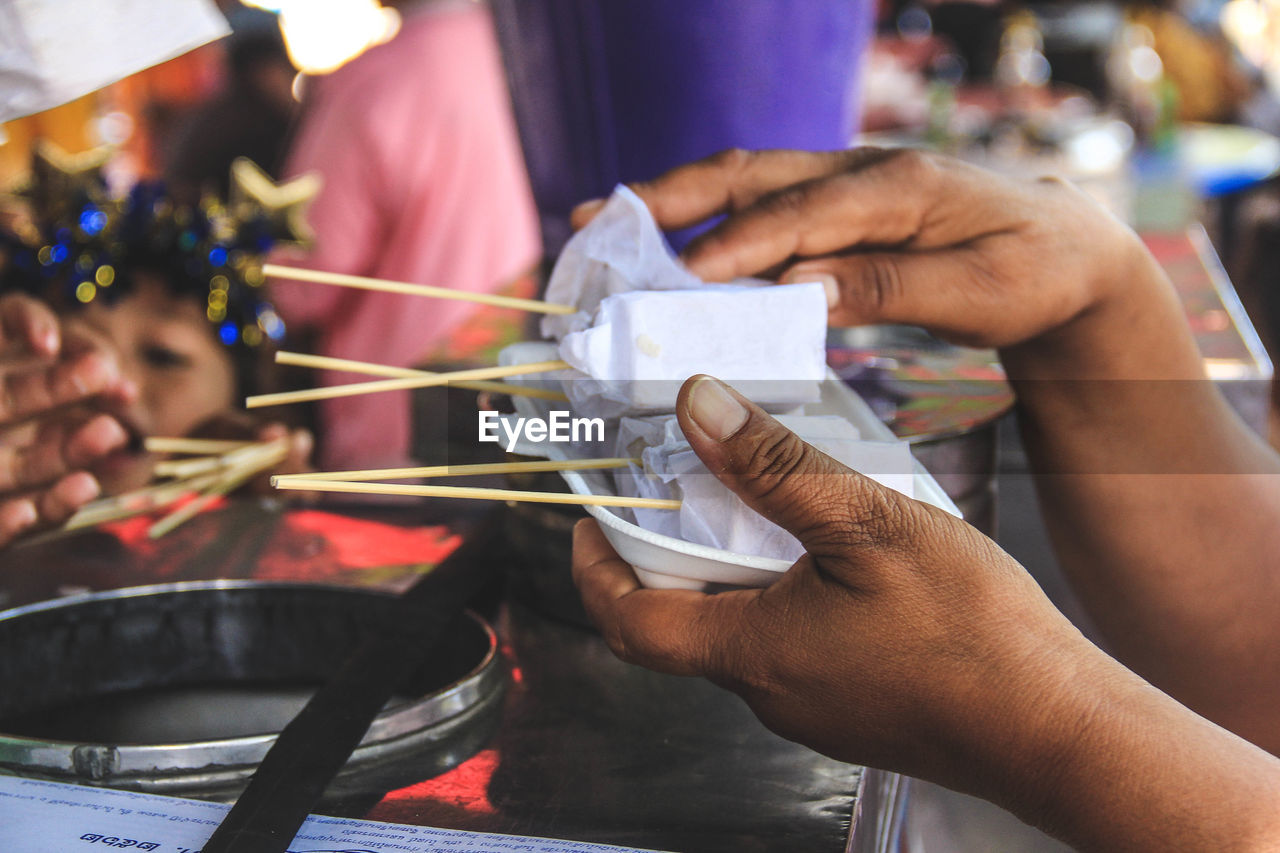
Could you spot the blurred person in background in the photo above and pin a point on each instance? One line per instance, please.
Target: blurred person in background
(423, 181)
(122, 319)
(251, 116)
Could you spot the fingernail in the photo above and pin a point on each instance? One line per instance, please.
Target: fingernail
(715, 409)
(49, 340)
(113, 434)
(94, 374)
(588, 208)
(80, 488)
(828, 282)
(303, 442)
(23, 515)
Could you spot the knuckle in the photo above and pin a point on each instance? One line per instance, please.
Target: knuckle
(879, 284)
(915, 166)
(616, 639)
(832, 529)
(879, 519)
(864, 518)
(788, 202)
(732, 159)
(770, 464)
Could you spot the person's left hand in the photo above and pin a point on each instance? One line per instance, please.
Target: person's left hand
(903, 638)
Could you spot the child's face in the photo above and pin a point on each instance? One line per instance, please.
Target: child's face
(167, 347)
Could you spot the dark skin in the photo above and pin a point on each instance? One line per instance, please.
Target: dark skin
(977, 682)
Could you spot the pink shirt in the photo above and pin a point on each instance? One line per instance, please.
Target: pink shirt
(423, 182)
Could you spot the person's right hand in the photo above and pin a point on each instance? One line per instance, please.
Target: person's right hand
(905, 639)
(902, 236)
(891, 642)
(47, 437)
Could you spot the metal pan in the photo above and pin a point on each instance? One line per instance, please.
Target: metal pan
(181, 688)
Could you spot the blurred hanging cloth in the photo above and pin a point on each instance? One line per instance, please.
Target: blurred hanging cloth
(423, 182)
(53, 51)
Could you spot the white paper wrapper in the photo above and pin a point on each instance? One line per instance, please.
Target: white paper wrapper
(619, 251)
(54, 51)
(712, 515)
(770, 341)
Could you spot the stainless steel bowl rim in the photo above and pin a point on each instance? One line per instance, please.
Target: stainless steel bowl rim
(399, 722)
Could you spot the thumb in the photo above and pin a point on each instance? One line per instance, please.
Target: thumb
(833, 510)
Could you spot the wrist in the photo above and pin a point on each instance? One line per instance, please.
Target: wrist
(1025, 720)
(1087, 751)
(1133, 328)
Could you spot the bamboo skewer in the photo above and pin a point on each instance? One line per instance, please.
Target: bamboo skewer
(386, 286)
(120, 507)
(325, 362)
(287, 482)
(462, 470)
(136, 502)
(183, 468)
(404, 384)
(209, 477)
(241, 466)
(158, 444)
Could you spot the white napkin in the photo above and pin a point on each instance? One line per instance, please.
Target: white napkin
(618, 251)
(54, 51)
(712, 515)
(769, 341)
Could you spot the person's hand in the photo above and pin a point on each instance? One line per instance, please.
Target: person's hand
(902, 236)
(238, 426)
(49, 431)
(879, 646)
(906, 640)
(296, 461)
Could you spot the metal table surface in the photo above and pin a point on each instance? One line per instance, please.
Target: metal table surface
(589, 748)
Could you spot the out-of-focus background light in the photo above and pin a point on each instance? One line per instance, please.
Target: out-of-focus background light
(323, 35)
(1254, 27)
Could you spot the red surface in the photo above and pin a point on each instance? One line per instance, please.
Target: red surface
(461, 794)
(306, 545)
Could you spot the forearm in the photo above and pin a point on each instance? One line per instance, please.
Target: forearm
(1162, 505)
(1107, 763)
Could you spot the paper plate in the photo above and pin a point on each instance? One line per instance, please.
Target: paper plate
(664, 562)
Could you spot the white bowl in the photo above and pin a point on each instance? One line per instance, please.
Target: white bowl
(664, 562)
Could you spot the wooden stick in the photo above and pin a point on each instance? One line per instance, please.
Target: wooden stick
(253, 461)
(380, 284)
(325, 362)
(462, 470)
(248, 458)
(472, 494)
(203, 446)
(188, 511)
(137, 502)
(433, 380)
(182, 468)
